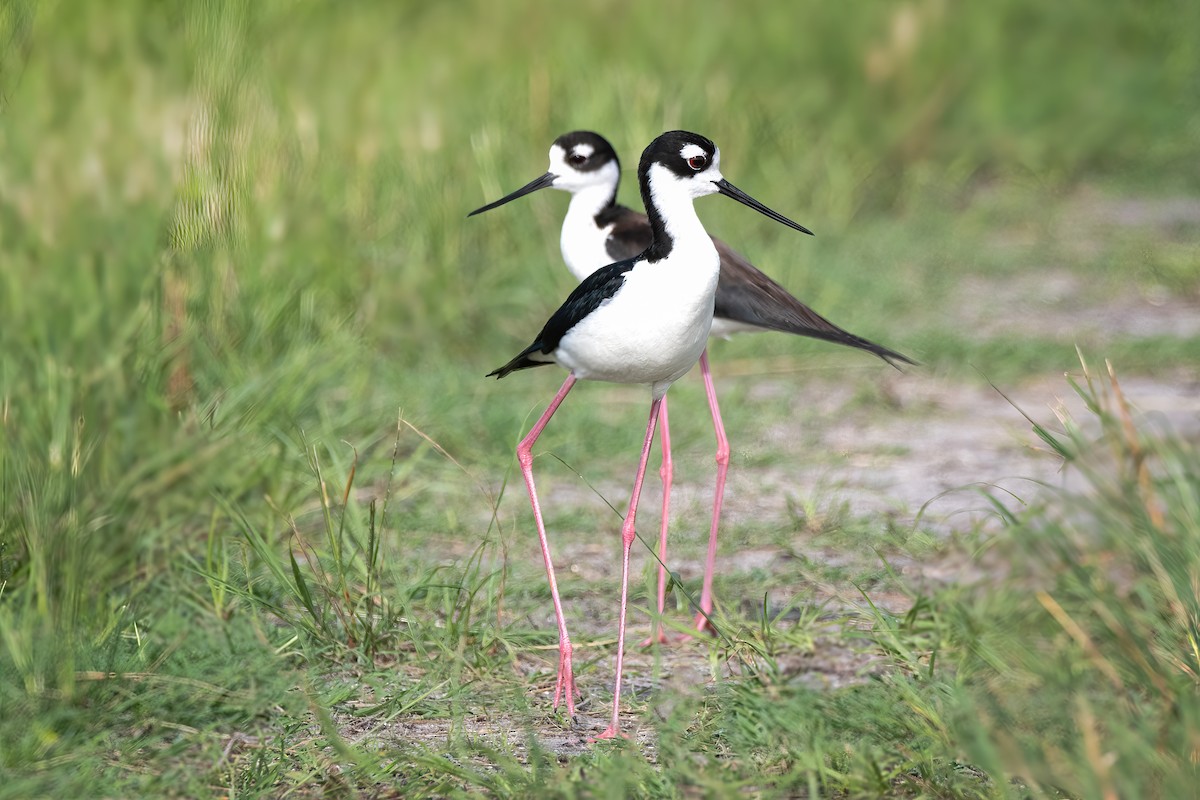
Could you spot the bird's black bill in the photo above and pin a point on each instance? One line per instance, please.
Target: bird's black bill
(729, 190)
(539, 183)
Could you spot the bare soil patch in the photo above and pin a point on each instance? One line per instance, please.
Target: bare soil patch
(916, 456)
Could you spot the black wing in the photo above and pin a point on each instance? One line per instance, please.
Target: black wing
(587, 297)
(630, 235)
(746, 294)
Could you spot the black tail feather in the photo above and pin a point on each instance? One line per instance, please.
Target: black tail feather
(521, 361)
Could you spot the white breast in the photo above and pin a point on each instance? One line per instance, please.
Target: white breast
(584, 246)
(656, 326)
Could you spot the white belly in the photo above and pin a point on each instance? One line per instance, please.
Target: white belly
(585, 250)
(653, 331)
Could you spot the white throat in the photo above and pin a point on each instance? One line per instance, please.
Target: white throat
(674, 198)
(584, 246)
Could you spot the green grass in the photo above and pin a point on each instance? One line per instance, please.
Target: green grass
(233, 255)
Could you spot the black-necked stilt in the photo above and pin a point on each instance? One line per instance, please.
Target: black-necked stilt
(597, 230)
(645, 320)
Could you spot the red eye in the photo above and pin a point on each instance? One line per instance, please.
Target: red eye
(698, 162)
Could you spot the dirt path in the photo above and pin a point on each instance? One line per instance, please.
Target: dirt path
(944, 439)
(912, 456)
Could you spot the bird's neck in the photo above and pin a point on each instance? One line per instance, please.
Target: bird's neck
(583, 234)
(590, 202)
(673, 222)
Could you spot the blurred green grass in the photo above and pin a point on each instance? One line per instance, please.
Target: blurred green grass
(232, 235)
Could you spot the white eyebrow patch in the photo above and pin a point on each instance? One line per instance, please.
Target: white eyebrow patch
(691, 151)
(584, 150)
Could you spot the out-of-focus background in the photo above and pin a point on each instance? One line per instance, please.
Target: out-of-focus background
(259, 534)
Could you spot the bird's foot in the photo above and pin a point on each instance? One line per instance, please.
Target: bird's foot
(659, 636)
(611, 732)
(566, 679)
(703, 626)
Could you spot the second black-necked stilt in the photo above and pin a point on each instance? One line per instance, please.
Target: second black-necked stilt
(644, 320)
(597, 230)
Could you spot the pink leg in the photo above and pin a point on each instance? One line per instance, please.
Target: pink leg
(666, 472)
(627, 536)
(566, 678)
(706, 603)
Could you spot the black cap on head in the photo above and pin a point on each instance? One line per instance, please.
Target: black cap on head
(689, 155)
(667, 148)
(595, 154)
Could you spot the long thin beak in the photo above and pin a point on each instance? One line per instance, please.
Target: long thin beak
(729, 190)
(538, 183)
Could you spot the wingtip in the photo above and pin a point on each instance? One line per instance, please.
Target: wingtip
(891, 357)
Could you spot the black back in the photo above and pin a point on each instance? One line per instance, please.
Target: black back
(630, 234)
